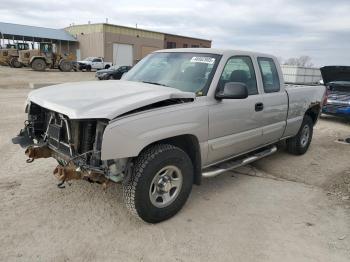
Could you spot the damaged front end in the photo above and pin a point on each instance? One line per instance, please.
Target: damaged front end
(75, 144)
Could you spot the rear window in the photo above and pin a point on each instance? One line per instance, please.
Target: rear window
(269, 74)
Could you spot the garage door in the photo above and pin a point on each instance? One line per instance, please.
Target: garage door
(122, 55)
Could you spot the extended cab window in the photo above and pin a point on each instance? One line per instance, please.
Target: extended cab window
(239, 69)
(97, 60)
(269, 75)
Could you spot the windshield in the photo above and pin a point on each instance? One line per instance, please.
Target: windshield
(189, 72)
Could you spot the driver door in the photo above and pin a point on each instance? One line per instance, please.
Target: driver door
(235, 125)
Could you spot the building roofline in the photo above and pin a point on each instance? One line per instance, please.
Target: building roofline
(184, 36)
(32, 26)
(141, 29)
(38, 27)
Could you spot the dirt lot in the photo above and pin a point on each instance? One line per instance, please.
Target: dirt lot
(283, 208)
(19, 78)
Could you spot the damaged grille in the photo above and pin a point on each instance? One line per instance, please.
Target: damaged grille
(71, 138)
(58, 135)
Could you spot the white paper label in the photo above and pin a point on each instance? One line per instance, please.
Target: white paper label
(203, 59)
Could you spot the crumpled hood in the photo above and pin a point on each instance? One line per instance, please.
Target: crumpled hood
(107, 99)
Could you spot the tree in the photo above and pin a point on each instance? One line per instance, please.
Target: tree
(304, 61)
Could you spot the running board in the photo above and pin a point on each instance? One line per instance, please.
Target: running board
(234, 163)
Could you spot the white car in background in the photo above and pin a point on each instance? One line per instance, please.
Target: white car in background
(96, 63)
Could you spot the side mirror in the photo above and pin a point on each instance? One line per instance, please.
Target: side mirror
(233, 90)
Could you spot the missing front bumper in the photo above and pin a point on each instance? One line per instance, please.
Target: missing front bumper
(23, 139)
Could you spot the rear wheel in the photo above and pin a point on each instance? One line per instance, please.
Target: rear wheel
(107, 66)
(299, 144)
(88, 68)
(15, 63)
(160, 183)
(38, 65)
(65, 66)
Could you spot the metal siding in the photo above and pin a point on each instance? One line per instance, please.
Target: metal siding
(302, 75)
(137, 42)
(92, 45)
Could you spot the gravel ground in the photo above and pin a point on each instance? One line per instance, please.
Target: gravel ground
(283, 208)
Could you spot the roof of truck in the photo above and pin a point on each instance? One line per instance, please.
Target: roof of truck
(214, 51)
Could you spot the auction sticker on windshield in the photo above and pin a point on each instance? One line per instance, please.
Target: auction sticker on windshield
(205, 60)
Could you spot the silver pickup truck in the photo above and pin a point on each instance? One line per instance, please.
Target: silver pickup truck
(176, 117)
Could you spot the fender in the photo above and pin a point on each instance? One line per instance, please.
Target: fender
(36, 57)
(127, 136)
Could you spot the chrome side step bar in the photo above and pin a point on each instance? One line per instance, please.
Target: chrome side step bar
(223, 167)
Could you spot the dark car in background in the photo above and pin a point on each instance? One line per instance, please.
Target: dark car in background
(114, 72)
(337, 81)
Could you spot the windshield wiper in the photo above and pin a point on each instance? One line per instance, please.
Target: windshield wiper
(154, 83)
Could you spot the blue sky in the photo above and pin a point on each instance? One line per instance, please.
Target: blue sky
(319, 29)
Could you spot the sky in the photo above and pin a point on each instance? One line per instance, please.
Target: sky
(316, 28)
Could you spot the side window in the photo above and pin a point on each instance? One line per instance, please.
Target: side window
(97, 60)
(239, 69)
(269, 75)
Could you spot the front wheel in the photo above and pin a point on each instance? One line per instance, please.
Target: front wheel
(65, 66)
(300, 143)
(160, 183)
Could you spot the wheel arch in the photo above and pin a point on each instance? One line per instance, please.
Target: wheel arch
(32, 59)
(314, 112)
(190, 145)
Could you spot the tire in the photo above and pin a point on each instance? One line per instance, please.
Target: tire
(107, 66)
(88, 68)
(110, 77)
(141, 194)
(65, 66)
(38, 65)
(15, 63)
(299, 144)
(10, 63)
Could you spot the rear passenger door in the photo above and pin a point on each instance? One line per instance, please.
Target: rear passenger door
(235, 124)
(275, 101)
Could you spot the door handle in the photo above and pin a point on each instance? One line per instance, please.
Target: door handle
(259, 107)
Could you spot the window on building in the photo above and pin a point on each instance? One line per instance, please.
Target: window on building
(194, 46)
(270, 77)
(185, 45)
(170, 45)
